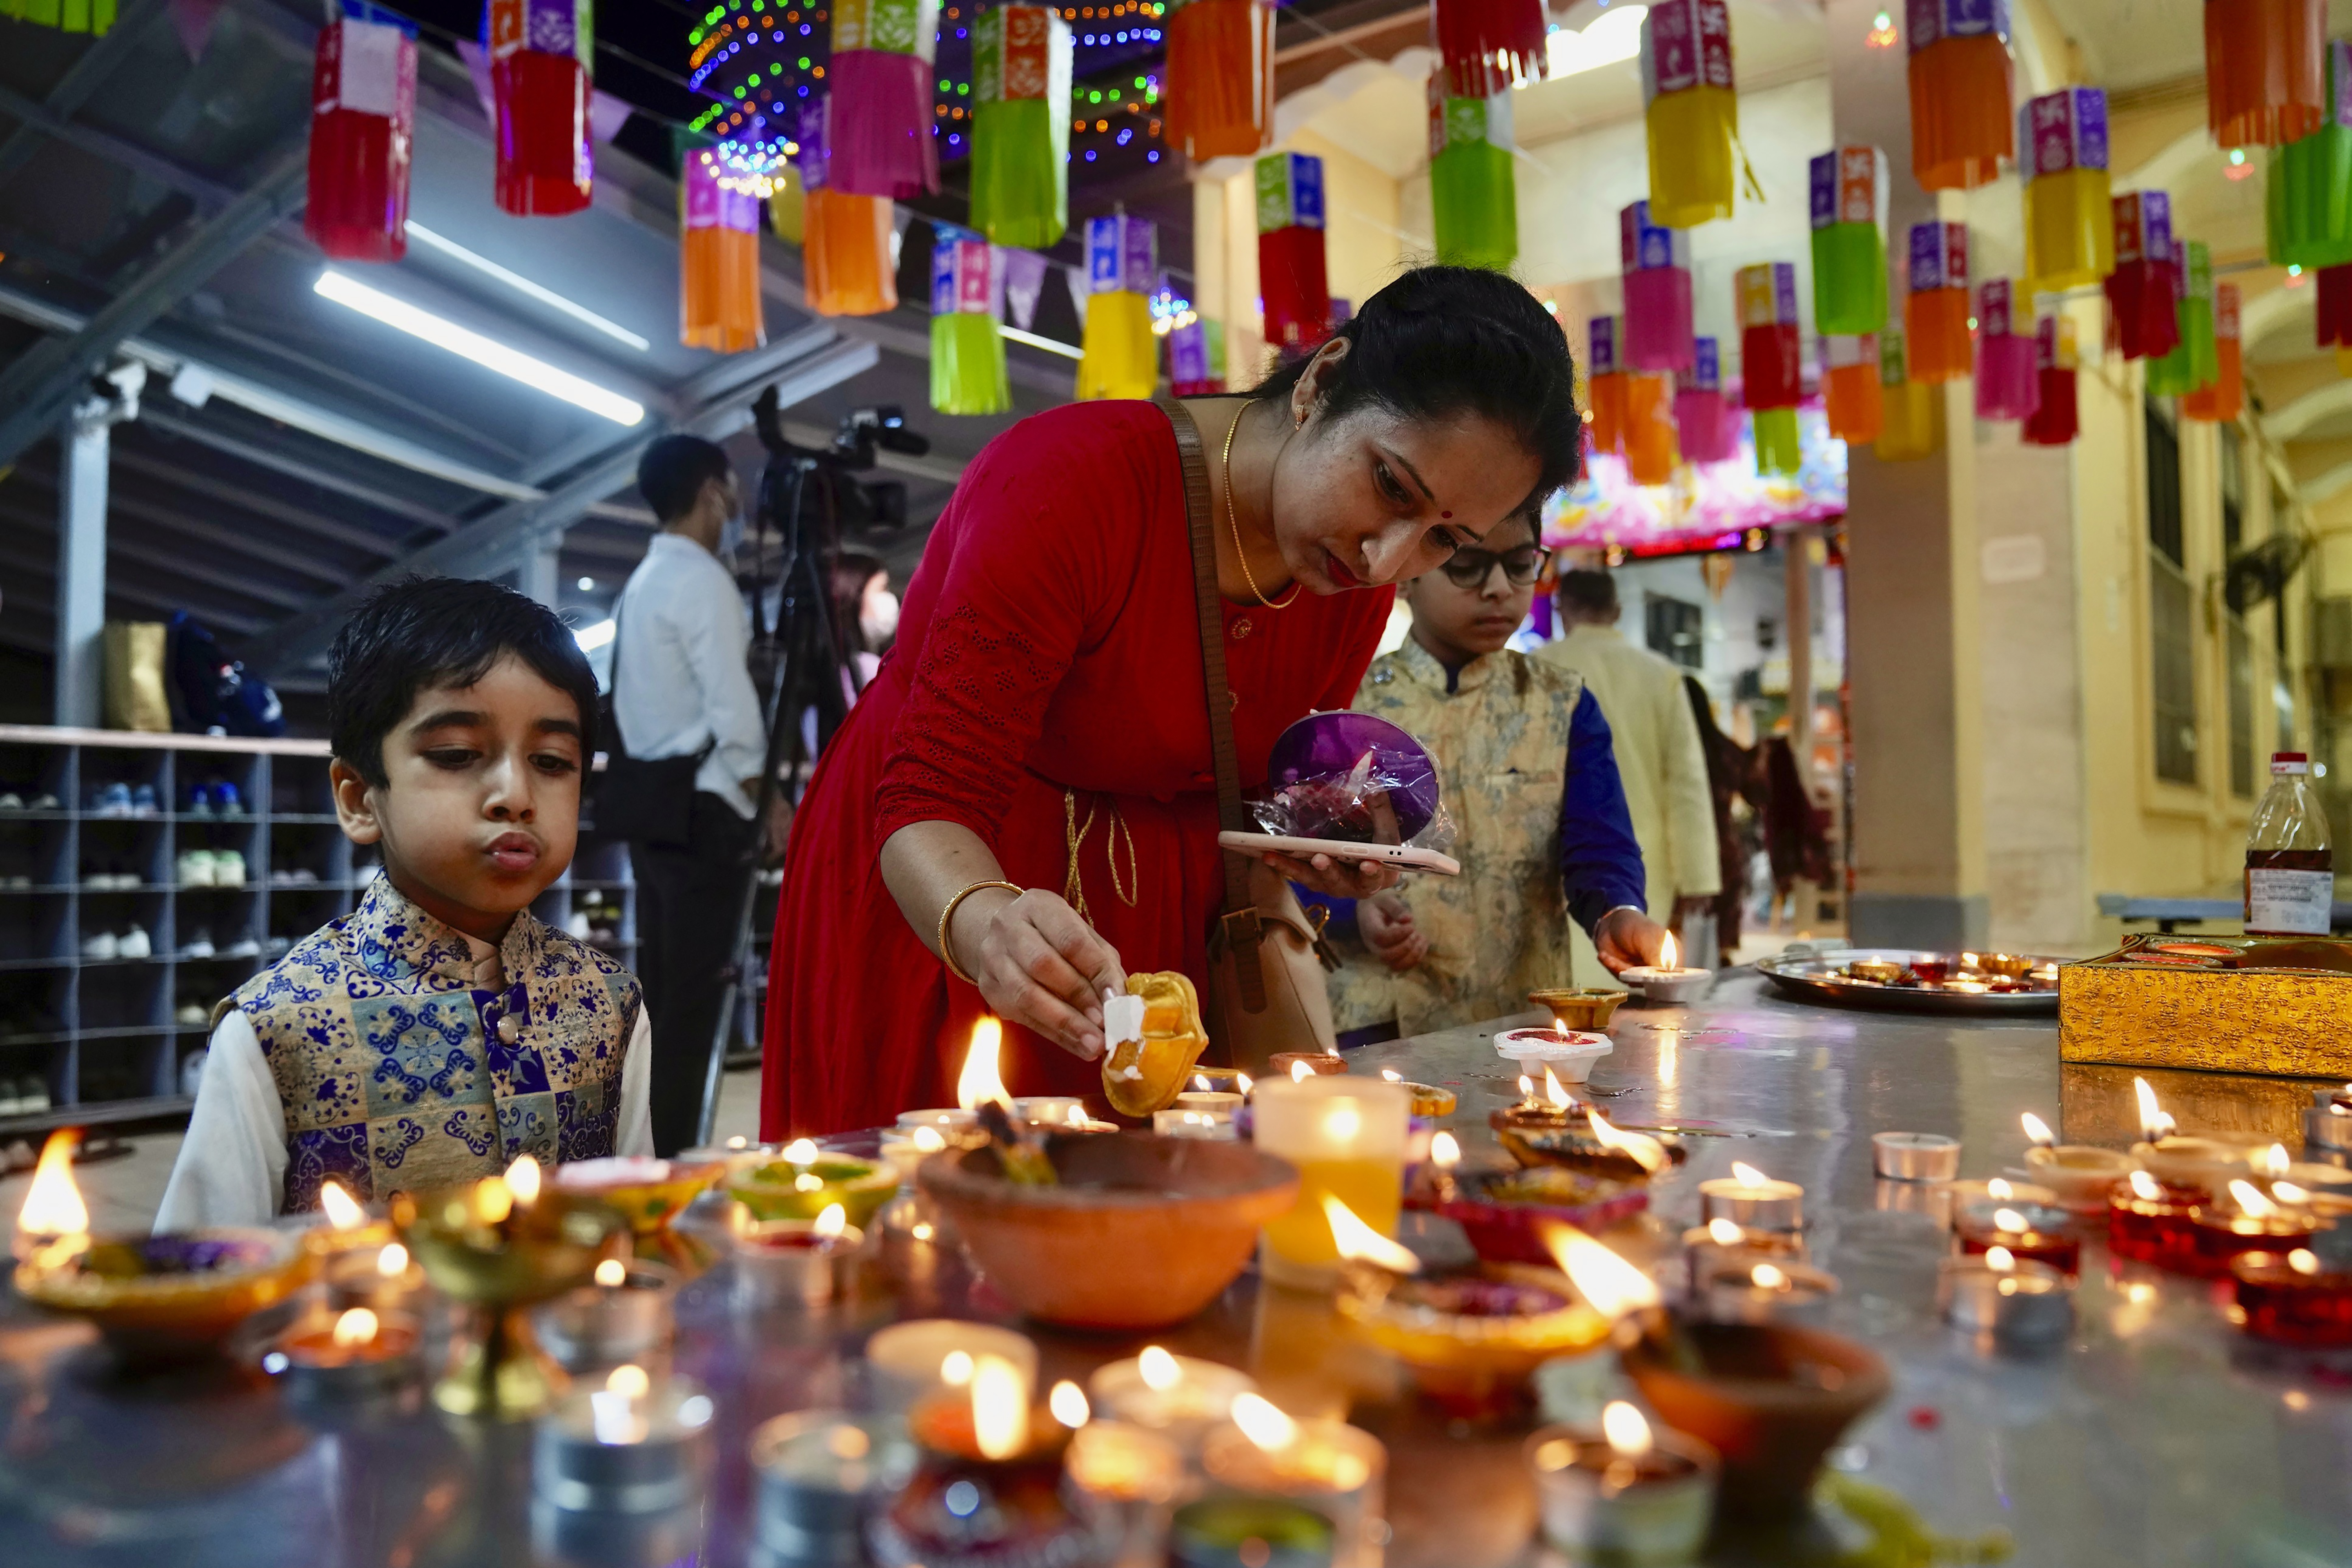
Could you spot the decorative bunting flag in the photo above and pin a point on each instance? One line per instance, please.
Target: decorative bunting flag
(542, 61)
(1960, 125)
(1657, 280)
(2056, 421)
(1473, 196)
(1021, 125)
(1771, 370)
(2069, 211)
(363, 135)
(1690, 112)
(1220, 99)
(2225, 399)
(1702, 424)
(192, 23)
(968, 369)
(1849, 191)
(2263, 73)
(847, 254)
(1291, 280)
(1911, 414)
(2009, 386)
(1849, 386)
(1604, 384)
(718, 258)
(1487, 47)
(2194, 362)
(2310, 198)
(2143, 292)
(879, 98)
(1024, 282)
(1121, 353)
(1935, 312)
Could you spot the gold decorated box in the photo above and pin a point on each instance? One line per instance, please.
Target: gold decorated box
(2280, 1007)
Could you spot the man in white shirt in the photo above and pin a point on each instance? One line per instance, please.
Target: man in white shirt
(681, 687)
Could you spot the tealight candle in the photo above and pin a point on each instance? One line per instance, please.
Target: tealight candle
(2247, 1221)
(1763, 1292)
(1749, 1198)
(636, 1445)
(1180, 1395)
(1997, 1189)
(2328, 1123)
(950, 1123)
(1220, 1102)
(2018, 1301)
(1178, 1122)
(1622, 1493)
(2150, 1223)
(1347, 1136)
(356, 1354)
(781, 1261)
(818, 1472)
(911, 1361)
(2294, 1298)
(1668, 980)
(2032, 1232)
(1049, 1110)
(1933, 968)
(383, 1280)
(2084, 1176)
(624, 1313)
(1331, 1467)
(2207, 1163)
(1288, 1063)
(1915, 1157)
(1126, 1480)
(1720, 1244)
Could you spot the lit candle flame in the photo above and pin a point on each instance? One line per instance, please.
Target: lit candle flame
(831, 1223)
(1669, 957)
(1359, 1241)
(2274, 1161)
(2007, 1219)
(1242, 1082)
(808, 1181)
(1639, 1147)
(1342, 1122)
(1391, 1075)
(1444, 1150)
(1628, 1434)
(1968, 960)
(2154, 1121)
(1527, 1089)
(2000, 1259)
(392, 1261)
(1300, 1073)
(1724, 1232)
(1079, 1118)
(629, 1381)
(955, 1371)
(1611, 1286)
(356, 1327)
(1069, 1404)
(801, 1152)
(1998, 1189)
(522, 1181)
(738, 1141)
(53, 1204)
(922, 1231)
(1263, 1424)
(1748, 1175)
(2303, 1260)
(1768, 1278)
(1158, 1369)
(1560, 1097)
(2250, 1201)
(343, 1212)
(2038, 1130)
(612, 1274)
(927, 1141)
(2144, 1187)
(982, 1078)
(1200, 1082)
(2287, 1192)
(1000, 1407)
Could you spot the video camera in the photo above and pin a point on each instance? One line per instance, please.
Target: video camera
(823, 478)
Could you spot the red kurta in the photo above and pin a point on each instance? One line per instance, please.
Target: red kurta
(1047, 643)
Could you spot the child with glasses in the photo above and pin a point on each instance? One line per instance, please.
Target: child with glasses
(1538, 811)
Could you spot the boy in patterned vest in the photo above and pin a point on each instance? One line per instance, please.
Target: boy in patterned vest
(439, 1029)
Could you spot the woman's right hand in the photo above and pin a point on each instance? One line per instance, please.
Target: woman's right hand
(1038, 965)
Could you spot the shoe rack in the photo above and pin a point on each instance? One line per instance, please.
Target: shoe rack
(88, 1034)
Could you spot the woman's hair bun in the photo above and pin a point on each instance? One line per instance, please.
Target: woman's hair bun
(1444, 340)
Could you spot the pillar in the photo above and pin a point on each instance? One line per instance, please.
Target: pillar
(80, 669)
(538, 574)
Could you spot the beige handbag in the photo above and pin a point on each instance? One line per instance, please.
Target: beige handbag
(1267, 959)
(132, 659)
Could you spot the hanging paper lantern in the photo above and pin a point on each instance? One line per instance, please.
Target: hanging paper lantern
(718, 258)
(1960, 125)
(1770, 370)
(1702, 424)
(1121, 352)
(2225, 398)
(2143, 292)
(362, 130)
(1849, 209)
(1472, 195)
(1020, 126)
(845, 240)
(2262, 75)
(1911, 414)
(2069, 215)
(1689, 110)
(1935, 312)
(1849, 386)
(2310, 196)
(2055, 422)
(2193, 361)
(1604, 384)
(1649, 430)
(2008, 384)
(879, 98)
(1196, 358)
(2334, 288)
(1219, 99)
(1291, 280)
(1488, 46)
(92, 17)
(788, 207)
(968, 373)
(543, 60)
(740, 57)
(1656, 261)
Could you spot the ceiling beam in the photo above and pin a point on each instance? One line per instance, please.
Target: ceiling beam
(293, 468)
(131, 460)
(82, 80)
(130, 593)
(42, 384)
(37, 116)
(179, 568)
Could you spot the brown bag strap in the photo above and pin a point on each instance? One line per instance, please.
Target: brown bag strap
(1238, 926)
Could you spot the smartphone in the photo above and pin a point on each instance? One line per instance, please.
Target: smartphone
(1405, 855)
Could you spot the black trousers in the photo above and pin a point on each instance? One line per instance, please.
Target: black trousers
(687, 899)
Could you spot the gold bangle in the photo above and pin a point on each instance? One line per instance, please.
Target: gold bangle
(946, 948)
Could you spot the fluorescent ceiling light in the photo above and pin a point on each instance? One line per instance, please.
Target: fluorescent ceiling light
(593, 637)
(1615, 35)
(521, 285)
(1051, 345)
(484, 351)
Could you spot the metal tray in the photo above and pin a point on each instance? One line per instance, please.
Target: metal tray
(1809, 976)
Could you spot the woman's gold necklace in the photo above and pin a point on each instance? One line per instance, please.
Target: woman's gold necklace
(1234, 524)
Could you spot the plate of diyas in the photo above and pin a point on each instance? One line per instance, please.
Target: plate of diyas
(1989, 985)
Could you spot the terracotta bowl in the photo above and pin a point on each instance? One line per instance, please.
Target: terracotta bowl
(160, 1298)
(1579, 1010)
(1144, 1231)
(1772, 1398)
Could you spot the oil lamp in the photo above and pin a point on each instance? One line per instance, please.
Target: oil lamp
(2150, 1223)
(2247, 1221)
(2033, 1232)
(1668, 981)
(987, 1488)
(352, 1355)
(2082, 1176)
(1751, 1198)
(2297, 1297)
(1181, 1396)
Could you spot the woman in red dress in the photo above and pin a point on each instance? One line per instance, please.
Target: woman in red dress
(1041, 720)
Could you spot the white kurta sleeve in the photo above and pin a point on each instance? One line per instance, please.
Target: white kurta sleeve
(231, 1165)
(633, 1135)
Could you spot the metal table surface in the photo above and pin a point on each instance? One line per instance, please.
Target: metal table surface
(2159, 1436)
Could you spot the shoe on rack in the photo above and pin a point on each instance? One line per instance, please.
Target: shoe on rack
(44, 801)
(100, 948)
(18, 884)
(199, 945)
(32, 1094)
(143, 801)
(191, 1015)
(111, 801)
(228, 869)
(195, 868)
(227, 801)
(302, 876)
(198, 801)
(11, 801)
(246, 948)
(133, 944)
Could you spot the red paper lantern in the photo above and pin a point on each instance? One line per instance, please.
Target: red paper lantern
(2055, 423)
(1488, 46)
(2143, 293)
(1604, 381)
(363, 131)
(2263, 69)
(541, 64)
(1219, 99)
(1771, 366)
(1292, 281)
(1703, 426)
(2226, 398)
(2335, 305)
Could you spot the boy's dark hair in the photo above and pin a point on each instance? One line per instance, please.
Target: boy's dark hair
(672, 473)
(1588, 592)
(425, 632)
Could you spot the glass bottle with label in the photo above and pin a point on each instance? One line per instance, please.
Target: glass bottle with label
(2290, 875)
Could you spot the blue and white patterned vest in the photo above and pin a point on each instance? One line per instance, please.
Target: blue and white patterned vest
(391, 1065)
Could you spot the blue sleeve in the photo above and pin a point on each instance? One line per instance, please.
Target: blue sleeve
(1599, 863)
(1341, 912)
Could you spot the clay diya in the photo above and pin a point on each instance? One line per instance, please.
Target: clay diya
(158, 1299)
(1571, 1135)
(1287, 1063)
(1140, 1231)
(1506, 1214)
(1430, 1100)
(647, 1193)
(1470, 1340)
(1557, 1053)
(808, 1180)
(1874, 971)
(1584, 1010)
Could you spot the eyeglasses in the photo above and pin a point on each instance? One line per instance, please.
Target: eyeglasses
(1469, 568)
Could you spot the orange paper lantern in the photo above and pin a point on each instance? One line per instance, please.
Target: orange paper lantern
(718, 262)
(2263, 69)
(1961, 127)
(1857, 407)
(2225, 399)
(1935, 312)
(1220, 99)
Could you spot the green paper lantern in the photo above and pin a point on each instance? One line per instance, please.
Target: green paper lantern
(2310, 199)
(1778, 449)
(1849, 211)
(1473, 198)
(968, 369)
(2195, 363)
(1020, 126)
